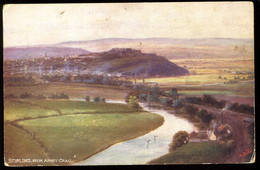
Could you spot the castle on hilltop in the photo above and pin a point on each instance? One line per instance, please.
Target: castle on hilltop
(125, 50)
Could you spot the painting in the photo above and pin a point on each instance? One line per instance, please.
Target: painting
(129, 83)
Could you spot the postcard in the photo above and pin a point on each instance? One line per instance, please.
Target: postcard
(129, 83)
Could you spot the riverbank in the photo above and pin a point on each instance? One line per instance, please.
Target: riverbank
(144, 148)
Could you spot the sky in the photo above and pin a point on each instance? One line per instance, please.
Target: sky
(35, 24)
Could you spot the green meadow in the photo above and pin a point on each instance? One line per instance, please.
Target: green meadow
(72, 137)
(195, 153)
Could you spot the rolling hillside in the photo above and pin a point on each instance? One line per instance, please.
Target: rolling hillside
(133, 62)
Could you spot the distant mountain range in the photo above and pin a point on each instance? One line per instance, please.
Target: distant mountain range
(171, 48)
(173, 41)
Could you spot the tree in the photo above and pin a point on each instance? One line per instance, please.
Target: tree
(96, 99)
(178, 104)
(173, 93)
(87, 98)
(103, 100)
(153, 98)
(205, 116)
(191, 110)
(179, 139)
(142, 97)
(132, 93)
(133, 102)
(167, 102)
(155, 90)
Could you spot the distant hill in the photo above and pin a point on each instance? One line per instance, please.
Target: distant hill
(173, 48)
(36, 52)
(175, 41)
(134, 63)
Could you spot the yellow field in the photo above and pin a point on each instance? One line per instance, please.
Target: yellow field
(239, 64)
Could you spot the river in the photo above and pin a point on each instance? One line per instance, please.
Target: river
(144, 148)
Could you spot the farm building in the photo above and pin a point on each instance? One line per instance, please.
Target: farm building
(223, 132)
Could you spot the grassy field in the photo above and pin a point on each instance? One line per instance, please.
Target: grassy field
(20, 145)
(195, 153)
(71, 137)
(68, 106)
(74, 90)
(77, 137)
(14, 110)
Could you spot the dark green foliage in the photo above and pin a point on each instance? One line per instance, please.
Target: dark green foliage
(97, 99)
(167, 102)
(205, 116)
(155, 90)
(142, 97)
(40, 96)
(153, 98)
(132, 93)
(178, 104)
(206, 100)
(191, 110)
(179, 139)
(243, 108)
(87, 98)
(59, 96)
(133, 102)
(173, 93)
(25, 95)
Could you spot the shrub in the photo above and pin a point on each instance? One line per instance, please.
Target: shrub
(153, 98)
(97, 99)
(132, 93)
(173, 93)
(25, 95)
(191, 110)
(64, 96)
(133, 101)
(155, 90)
(87, 98)
(167, 102)
(178, 104)
(206, 100)
(205, 116)
(243, 108)
(103, 100)
(179, 139)
(59, 96)
(40, 96)
(142, 97)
